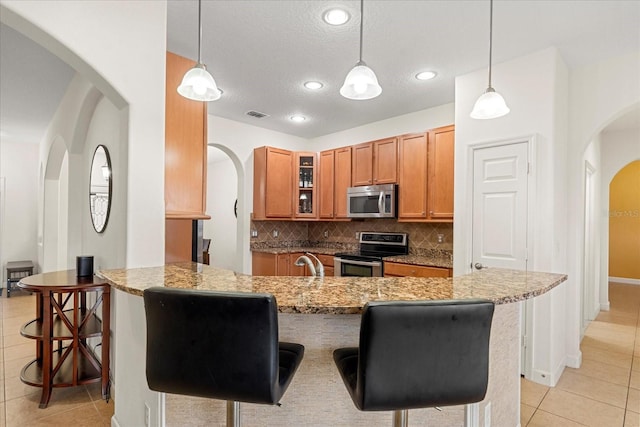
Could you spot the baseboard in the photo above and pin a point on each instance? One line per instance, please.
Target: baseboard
(624, 280)
(550, 379)
(575, 361)
(541, 377)
(114, 421)
(605, 306)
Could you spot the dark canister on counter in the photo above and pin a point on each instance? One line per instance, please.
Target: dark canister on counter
(84, 266)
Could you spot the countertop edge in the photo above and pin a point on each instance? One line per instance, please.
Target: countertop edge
(478, 284)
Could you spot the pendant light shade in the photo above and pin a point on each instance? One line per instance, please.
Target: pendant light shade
(491, 104)
(197, 84)
(361, 83)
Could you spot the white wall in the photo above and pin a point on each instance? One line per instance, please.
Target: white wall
(109, 247)
(535, 88)
(18, 203)
(110, 49)
(418, 121)
(222, 228)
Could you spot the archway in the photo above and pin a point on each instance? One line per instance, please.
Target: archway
(55, 207)
(624, 225)
(225, 204)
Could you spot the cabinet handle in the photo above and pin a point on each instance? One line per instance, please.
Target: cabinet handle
(430, 212)
(422, 212)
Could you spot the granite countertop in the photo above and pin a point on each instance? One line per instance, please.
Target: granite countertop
(428, 260)
(338, 295)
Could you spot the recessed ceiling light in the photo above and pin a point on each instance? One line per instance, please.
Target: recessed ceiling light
(313, 85)
(426, 75)
(336, 16)
(298, 118)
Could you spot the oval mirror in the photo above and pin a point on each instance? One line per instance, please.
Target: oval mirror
(100, 188)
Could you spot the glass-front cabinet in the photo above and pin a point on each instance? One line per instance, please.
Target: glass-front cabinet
(305, 194)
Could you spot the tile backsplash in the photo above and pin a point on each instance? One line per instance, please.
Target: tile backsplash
(422, 236)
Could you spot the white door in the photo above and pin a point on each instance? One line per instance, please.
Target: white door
(500, 176)
(500, 216)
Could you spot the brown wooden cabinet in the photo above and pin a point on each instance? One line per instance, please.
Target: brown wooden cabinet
(335, 178)
(185, 147)
(412, 177)
(267, 264)
(272, 183)
(326, 184)
(305, 188)
(342, 181)
(425, 177)
(375, 162)
(395, 269)
(327, 262)
(440, 181)
(185, 181)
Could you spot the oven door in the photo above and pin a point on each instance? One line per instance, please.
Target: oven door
(356, 268)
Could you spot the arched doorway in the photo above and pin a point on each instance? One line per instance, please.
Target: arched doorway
(55, 208)
(225, 196)
(624, 225)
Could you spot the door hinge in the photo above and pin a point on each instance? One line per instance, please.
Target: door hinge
(528, 168)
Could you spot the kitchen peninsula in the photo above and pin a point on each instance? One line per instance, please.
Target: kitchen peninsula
(323, 314)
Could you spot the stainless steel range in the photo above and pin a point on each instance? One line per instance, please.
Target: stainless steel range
(368, 261)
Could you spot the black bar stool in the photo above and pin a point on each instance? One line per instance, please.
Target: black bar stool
(418, 355)
(219, 345)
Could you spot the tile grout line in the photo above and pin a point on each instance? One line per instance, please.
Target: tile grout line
(633, 355)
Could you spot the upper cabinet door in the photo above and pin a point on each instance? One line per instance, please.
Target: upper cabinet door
(440, 182)
(362, 164)
(305, 204)
(385, 161)
(272, 183)
(342, 180)
(185, 147)
(326, 173)
(412, 180)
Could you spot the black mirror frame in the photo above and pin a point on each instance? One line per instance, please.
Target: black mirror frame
(108, 214)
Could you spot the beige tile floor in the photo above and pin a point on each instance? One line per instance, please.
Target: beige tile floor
(604, 392)
(73, 406)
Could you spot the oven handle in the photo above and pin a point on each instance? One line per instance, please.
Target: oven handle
(381, 202)
(365, 263)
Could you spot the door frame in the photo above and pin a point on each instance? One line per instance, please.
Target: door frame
(589, 266)
(526, 311)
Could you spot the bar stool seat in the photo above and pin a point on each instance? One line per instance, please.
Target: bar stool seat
(418, 355)
(219, 345)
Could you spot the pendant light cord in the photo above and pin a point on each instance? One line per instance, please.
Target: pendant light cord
(199, 31)
(361, 25)
(490, 37)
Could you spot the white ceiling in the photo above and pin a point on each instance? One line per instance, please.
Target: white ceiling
(261, 52)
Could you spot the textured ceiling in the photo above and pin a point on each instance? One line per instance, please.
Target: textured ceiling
(261, 52)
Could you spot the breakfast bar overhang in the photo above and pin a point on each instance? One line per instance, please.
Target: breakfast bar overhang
(322, 314)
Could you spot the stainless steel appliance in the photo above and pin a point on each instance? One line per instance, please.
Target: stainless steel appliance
(372, 201)
(368, 261)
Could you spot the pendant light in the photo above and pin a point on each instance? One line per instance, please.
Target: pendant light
(197, 84)
(491, 104)
(361, 82)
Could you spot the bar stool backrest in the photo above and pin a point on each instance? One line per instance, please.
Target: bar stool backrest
(219, 345)
(423, 354)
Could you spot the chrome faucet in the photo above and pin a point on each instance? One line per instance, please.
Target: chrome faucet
(317, 270)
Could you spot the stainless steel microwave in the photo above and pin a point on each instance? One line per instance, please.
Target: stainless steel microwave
(372, 201)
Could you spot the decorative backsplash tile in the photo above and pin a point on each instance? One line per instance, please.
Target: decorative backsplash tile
(423, 237)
